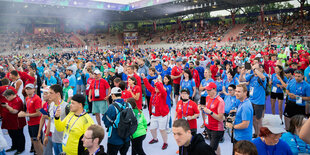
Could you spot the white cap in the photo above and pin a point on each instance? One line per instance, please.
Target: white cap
(46, 89)
(97, 71)
(116, 90)
(166, 64)
(273, 123)
(30, 85)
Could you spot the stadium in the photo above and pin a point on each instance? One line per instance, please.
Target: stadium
(158, 56)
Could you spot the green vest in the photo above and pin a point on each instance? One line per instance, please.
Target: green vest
(65, 93)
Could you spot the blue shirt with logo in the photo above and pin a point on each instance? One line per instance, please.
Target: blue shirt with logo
(244, 113)
(204, 83)
(258, 95)
(276, 81)
(190, 84)
(230, 103)
(299, 89)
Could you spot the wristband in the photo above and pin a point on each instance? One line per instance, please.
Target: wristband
(211, 113)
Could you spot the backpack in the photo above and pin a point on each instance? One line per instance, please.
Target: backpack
(128, 123)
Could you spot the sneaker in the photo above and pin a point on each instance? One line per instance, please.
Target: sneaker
(153, 141)
(10, 150)
(164, 146)
(18, 152)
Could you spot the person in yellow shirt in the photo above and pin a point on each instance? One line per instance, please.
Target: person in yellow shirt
(73, 126)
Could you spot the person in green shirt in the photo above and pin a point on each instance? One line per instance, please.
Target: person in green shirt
(140, 134)
(67, 91)
(282, 57)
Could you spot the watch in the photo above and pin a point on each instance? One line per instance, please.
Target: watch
(211, 113)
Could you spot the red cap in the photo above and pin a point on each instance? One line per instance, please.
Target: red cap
(65, 81)
(210, 86)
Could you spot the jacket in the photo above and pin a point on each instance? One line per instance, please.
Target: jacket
(142, 124)
(198, 146)
(100, 152)
(158, 99)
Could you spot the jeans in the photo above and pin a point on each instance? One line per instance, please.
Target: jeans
(48, 149)
(57, 148)
(18, 139)
(113, 149)
(137, 147)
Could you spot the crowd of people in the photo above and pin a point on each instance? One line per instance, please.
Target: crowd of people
(53, 94)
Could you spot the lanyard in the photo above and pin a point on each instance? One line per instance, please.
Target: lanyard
(179, 68)
(97, 151)
(187, 150)
(186, 109)
(297, 88)
(298, 145)
(273, 150)
(30, 101)
(98, 85)
(73, 122)
(212, 103)
(57, 107)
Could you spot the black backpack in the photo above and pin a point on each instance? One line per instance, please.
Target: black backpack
(128, 123)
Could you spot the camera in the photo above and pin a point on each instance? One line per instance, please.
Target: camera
(230, 116)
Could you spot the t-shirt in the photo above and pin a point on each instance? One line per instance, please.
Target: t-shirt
(136, 89)
(299, 89)
(204, 83)
(244, 113)
(257, 92)
(12, 121)
(217, 106)
(102, 85)
(296, 144)
(57, 136)
(230, 103)
(72, 82)
(275, 81)
(282, 57)
(306, 74)
(126, 94)
(189, 85)
(187, 109)
(33, 103)
(281, 148)
(74, 127)
(176, 71)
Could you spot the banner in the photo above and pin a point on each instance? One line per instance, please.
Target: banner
(130, 26)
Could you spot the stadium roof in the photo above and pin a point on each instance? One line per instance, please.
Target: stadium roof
(142, 11)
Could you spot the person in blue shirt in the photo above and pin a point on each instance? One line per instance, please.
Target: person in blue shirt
(158, 67)
(219, 84)
(297, 145)
(230, 99)
(200, 70)
(269, 142)
(166, 70)
(188, 83)
(307, 74)
(72, 79)
(49, 79)
(230, 80)
(80, 86)
(168, 87)
(277, 90)
(244, 116)
(202, 88)
(115, 142)
(298, 92)
(257, 82)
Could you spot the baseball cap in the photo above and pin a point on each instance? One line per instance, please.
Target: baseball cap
(30, 85)
(273, 124)
(166, 63)
(46, 89)
(112, 70)
(69, 68)
(116, 90)
(289, 70)
(211, 85)
(65, 81)
(97, 72)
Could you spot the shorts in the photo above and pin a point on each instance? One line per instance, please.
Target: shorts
(279, 96)
(203, 100)
(159, 122)
(291, 109)
(215, 137)
(33, 131)
(100, 107)
(176, 89)
(258, 110)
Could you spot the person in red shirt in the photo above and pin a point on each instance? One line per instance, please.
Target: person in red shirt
(176, 73)
(135, 91)
(11, 122)
(125, 93)
(188, 110)
(214, 111)
(214, 69)
(98, 94)
(160, 110)
(33, 116)
(88, 83)
(131, 73)
(293, 59)
(304, 62)
(5, 86)
(272, 64)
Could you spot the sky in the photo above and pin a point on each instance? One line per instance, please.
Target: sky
(226, 13)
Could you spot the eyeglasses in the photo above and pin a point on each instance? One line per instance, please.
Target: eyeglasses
(86, 137)
(230, 89)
